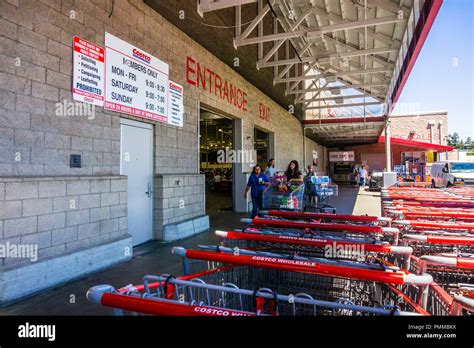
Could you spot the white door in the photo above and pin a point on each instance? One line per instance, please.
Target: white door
(136, 158)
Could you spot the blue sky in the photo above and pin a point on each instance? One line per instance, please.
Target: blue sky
(436, 81)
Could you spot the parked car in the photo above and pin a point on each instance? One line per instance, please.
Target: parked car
(450, 173)
(376, 180)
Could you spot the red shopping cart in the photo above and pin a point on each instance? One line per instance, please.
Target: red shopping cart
(313, 245)
(327, 217)
(222, 292)
(463, 302)
(452, 285)
(326, 278)
(431, 243)
(275, 224)
(434, 225)
(318, 226)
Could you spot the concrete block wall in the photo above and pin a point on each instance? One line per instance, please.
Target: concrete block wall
(177, 198)
(61, 214)
(56, 271)
(311, 146)
(36, 77)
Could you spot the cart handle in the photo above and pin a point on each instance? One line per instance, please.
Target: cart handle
(465, 302)
(95, 293)
(165, 307)
(433, 239)
(314, 242)
(309, 266)
(324, 216)
(438, 225)
(459, 262)
(321, 226)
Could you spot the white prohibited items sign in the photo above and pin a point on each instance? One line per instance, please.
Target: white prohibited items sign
(88, 72)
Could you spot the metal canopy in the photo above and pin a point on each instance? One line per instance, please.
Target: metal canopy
(345, 131)
(356, 46)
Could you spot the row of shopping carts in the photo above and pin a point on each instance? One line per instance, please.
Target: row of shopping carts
(301, 263)
(439, 226)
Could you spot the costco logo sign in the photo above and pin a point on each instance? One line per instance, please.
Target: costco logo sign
(175, 87)
(141, 56)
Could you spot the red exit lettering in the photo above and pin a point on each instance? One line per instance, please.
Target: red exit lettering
(264, 112)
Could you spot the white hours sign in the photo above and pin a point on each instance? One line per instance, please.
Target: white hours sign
(136, 82)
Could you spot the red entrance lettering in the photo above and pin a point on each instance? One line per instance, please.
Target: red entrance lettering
(189, 69)
(199, 76)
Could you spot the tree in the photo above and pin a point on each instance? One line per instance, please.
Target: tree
(468, 143)
(453, 139)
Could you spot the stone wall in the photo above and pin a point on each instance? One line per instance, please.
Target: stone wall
(311, 146)
(177, 198)
(61, 214)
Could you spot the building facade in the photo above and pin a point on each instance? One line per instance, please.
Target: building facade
(417, 140)
(79, 218)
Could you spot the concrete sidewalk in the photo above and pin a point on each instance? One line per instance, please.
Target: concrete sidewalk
(367, 203)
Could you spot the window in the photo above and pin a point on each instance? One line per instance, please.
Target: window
(462, 167)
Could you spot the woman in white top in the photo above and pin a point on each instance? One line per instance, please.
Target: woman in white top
(270, 170)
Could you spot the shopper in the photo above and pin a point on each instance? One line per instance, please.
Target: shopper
(257, 184)
(293, 174)
(311, 187)
(354, 178)
(218, 176)
(363, 176)
(270, 170)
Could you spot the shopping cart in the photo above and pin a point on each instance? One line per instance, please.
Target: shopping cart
(230, 291)
(314, 245)
(463, 303)
(431, 243)
(408, 225)
(323, 189)
(327, 217)
(426, 214)
(280, 195)
(274, 222)
(453, 286)
(379, 284)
